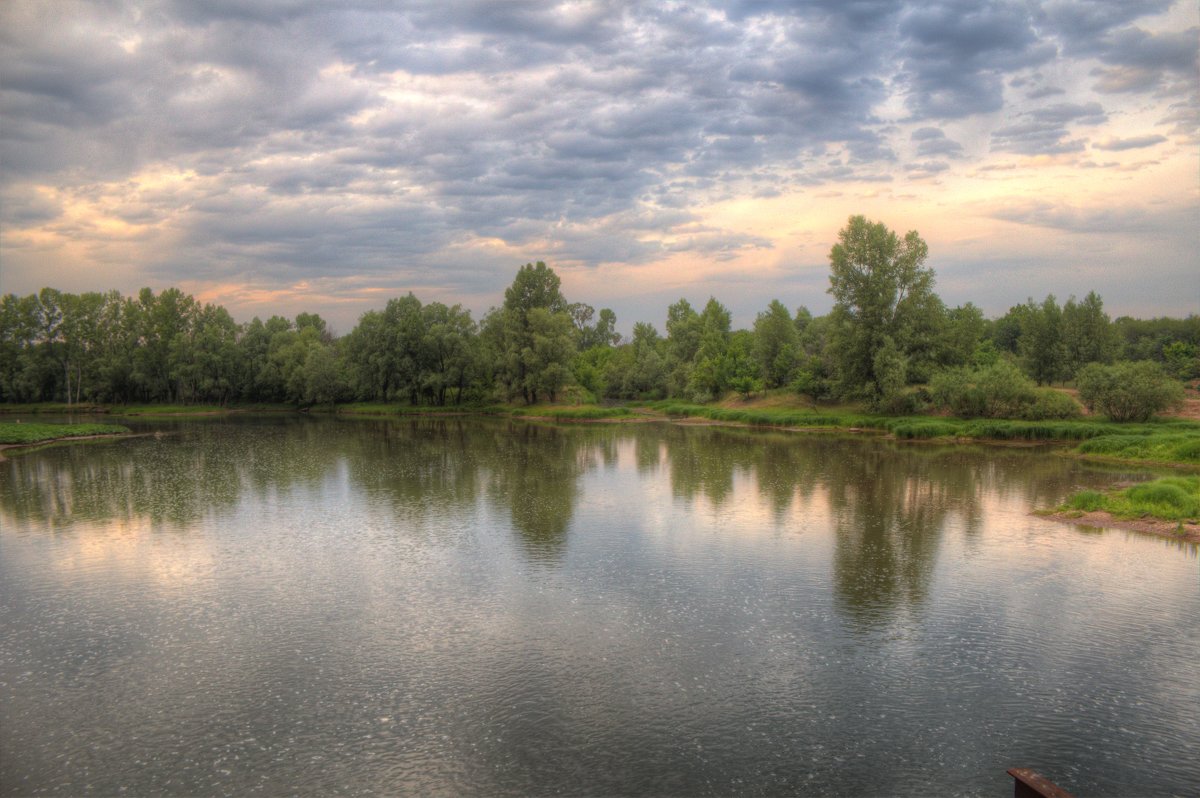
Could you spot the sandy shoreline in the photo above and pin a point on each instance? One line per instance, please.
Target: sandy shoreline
(1174, 530)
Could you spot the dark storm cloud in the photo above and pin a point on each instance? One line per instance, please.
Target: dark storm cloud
(957, 54)
(351, 137)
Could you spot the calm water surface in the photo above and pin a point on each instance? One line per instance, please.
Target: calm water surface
(449, 607)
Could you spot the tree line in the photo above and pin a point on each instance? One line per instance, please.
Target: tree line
(888, 332)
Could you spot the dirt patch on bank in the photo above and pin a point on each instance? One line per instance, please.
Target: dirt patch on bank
(1175, 530)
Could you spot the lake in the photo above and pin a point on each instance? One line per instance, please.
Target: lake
(454, 606)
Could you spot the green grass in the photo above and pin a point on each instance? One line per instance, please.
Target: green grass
(382, 409)
(766, 416)
(48, 408)
(1165, 447)
(166, 410)
(1176, 442)
(13, 432)
(582, 412)
(1167, 499)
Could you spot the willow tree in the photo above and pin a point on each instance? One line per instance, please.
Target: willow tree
(883, 303)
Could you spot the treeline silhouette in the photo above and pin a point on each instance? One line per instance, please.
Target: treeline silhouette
(888, 329)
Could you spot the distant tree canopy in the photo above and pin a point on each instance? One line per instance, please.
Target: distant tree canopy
(887, 332)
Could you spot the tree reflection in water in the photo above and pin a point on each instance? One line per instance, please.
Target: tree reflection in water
(889, 502)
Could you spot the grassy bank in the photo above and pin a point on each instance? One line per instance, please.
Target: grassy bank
(563, 412)
(571, 413)
(1172, 442)
(1167, 499)
(49, 409)
(24, 433)
(193, 410)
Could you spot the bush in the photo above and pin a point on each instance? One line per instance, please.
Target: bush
(954, 389)
(1128, 391)
(900, 403)
(813, 383)
(1050, 404)
(1000, 390)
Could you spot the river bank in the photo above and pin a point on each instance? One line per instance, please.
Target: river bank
(1186, 531)
(1173, 442)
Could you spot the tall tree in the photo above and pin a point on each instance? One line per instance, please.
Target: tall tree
(961, 335)
(710, 368)
(449, 350)
(883, 295)
(776, 344)
(1041, 342)
(683, 340)
(528, 333)
(1087, 333)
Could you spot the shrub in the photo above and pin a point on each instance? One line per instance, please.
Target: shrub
(1006, 389)
(812, 382)
(1000, 390)
(954, 389)
(1050, 404)
(900, 403)
(1128, 391)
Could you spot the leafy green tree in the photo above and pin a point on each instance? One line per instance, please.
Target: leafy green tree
(1146, 339)
(710, 368)
(1086, 332)
(683, 341)
(602, 333)
(890, 368)
(961, 336)
(1006, 330)
(323, 380)
(119, 343)
(637, 370)
(449, 352)
(1182, 359)
(206, 360)
(741, 369)
(606, 329)
(591, 369)
(1041, 342)
(532, 334)
(546, 357)
(20, 349)
(776, 344)
(883, 303)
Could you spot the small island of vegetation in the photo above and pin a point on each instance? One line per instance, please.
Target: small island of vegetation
(1169, 506)
(25, 434)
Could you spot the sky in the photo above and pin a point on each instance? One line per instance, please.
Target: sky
(279, 156)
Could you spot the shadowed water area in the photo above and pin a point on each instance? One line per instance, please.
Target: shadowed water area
(458, 606)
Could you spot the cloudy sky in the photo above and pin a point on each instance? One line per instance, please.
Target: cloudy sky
(284, 155)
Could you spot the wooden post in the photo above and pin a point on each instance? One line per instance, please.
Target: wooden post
(1027, 784)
